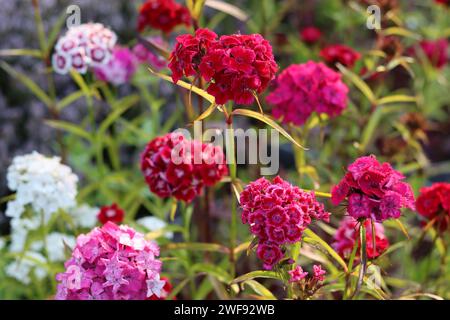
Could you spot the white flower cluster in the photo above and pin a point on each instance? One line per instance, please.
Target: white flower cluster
(43, 186)
(42, 182)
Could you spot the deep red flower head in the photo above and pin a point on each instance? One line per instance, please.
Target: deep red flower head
(433, 203)
(277, 213)
(189, 52)
(339, 53)
(236, 66)
(111, 213)
(175, 166)
(164, 15)
(375, 191)
(310, 35)
(302, 89)
(348, 233)
(434, 50)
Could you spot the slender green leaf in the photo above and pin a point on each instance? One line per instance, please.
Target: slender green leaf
(20, 52)
(257, 274)
(69, 127)
(260, 289)
(395, 99)
(195, 246)
(268, 120)
(358, 82)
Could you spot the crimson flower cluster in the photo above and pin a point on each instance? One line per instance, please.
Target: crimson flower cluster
(310, 35)
(236, 66)
(178, 167)
(164, 15)
(302, 89)
(433, 203)
(278, 213)
(375, 191)
(111, 213)
(339, 53)
(434, 50)
(348, 233)
(111, 263)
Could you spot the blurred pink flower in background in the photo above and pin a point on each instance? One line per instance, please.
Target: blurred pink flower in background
(120, 68)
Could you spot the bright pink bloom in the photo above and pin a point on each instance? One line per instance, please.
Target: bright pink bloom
(375, 191)
(166, 290)
(175, 166)
(164, 15)
(433, 203)
(434, 50)
(277, 213)
(339, 53)
(120, 68)
(146, 56)
(348, 233)
(111, 263)
(297, 274)
(310, 35)
(302, 89)
(111, 213)
(319, 273)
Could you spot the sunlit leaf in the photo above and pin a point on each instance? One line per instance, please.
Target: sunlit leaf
(70, 127)
(257, 274)
(195, 246)
(268, 120)
(396, 99)
(227, 8)
(358, 82)
(260, 289)
(21, 52)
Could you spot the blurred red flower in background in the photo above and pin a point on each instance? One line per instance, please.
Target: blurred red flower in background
(434, 50)
(111, 213)
(339, 53)
(310, 35)
(164, 15)
(433, 203)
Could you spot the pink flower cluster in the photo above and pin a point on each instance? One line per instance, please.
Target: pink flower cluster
(119, 69)
(89, 44)
(175, 166)
(297, 274)
(277, 214)
(348, 233)
(111, 263)
(375, 191)
(236, 66)
(434, 50)
(143, 55)
(302, 89)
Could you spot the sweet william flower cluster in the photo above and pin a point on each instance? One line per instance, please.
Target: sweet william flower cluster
(42, 183)
(433, 204)
(374, 190)
(278, 213)
(164, 15)
(111, 263)
(175, 166)
(302, 89)
(235, 66)
(339, 53)
(82, 46)
(119, 69)
(348, 233)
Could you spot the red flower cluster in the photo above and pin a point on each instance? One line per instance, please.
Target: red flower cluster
(277, 214)
(235, 65)
(339, 53)
(433, 203)
(189, 52)
(163, 15)
(348, 233)
(375, 191)
(175, 166)
(443, 2)
(435, 51)
(302, 89)
(310, 35)
(111, 213)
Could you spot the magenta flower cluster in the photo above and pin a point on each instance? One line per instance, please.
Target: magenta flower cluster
(119, 69)
(374, 190)
(111, 263)
(302, 89)
(277, 214)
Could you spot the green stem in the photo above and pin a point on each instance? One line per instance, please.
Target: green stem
(233, 174)
(363, 255)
